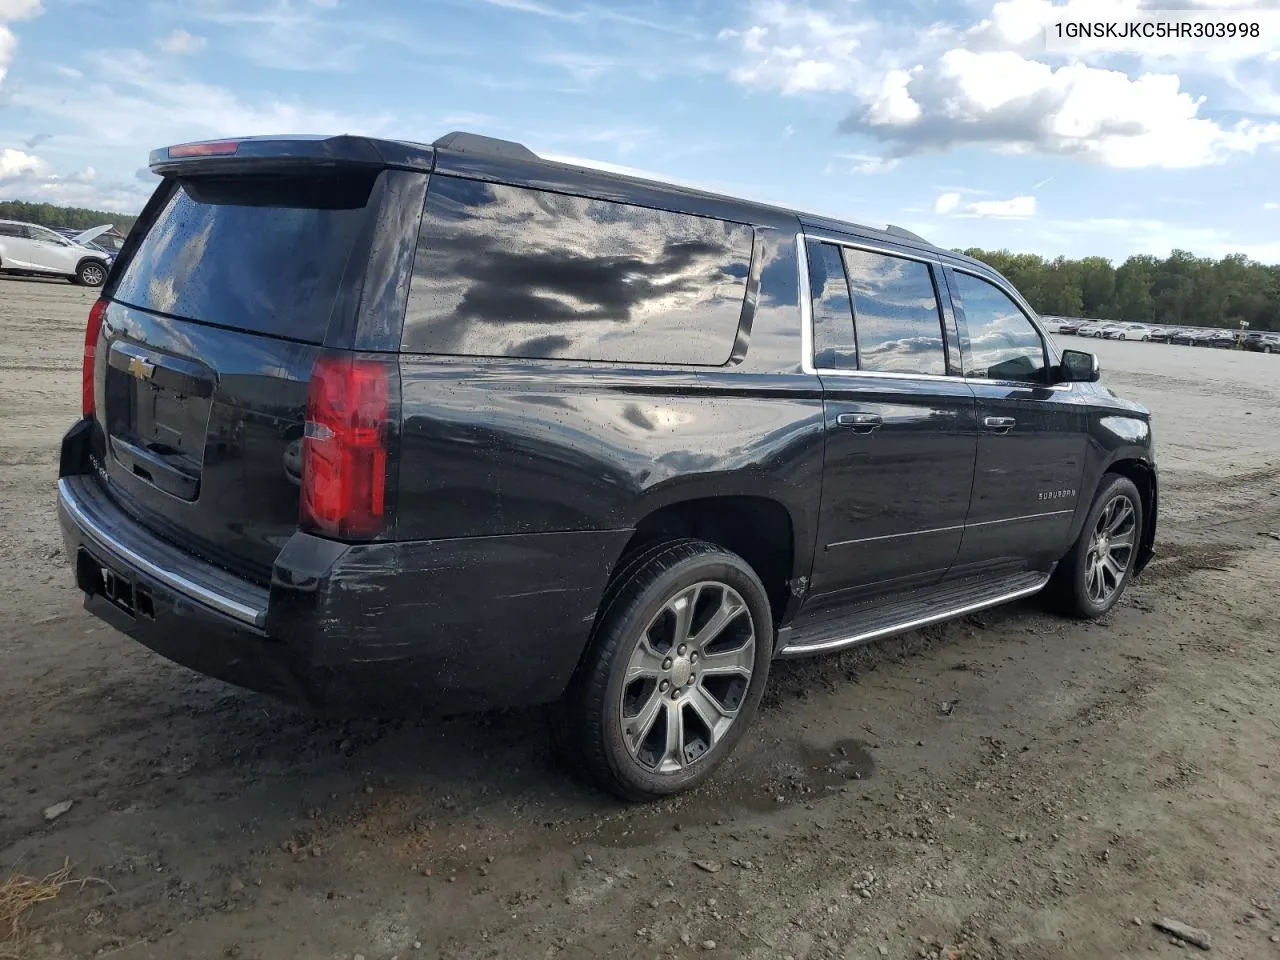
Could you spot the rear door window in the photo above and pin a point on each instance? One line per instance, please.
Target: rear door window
(506, 271)
(265, 254)
(896, 314)
(834, 346)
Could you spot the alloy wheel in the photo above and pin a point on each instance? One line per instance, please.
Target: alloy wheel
(1111, 549)
(688, 677)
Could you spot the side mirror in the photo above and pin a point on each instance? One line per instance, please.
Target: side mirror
(1079, 366)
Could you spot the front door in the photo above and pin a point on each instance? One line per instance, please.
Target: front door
(1032, 437)
(51, 252)
(900, 429)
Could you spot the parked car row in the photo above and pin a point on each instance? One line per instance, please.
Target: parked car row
(1259, 340)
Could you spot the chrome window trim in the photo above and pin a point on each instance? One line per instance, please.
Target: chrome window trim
(806, 317)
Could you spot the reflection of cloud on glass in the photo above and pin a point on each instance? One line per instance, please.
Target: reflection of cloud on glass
(895, 313)
(497, 265)
(1003, 345)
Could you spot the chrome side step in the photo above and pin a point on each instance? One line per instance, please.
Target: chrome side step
(848, 628)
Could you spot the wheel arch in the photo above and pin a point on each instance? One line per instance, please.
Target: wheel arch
(1143, 474)
(760, 529)
(92, 259)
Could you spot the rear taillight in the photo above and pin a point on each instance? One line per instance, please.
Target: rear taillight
(91, 332)
(345, 446)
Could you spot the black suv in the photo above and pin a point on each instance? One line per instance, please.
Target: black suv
(448, 426)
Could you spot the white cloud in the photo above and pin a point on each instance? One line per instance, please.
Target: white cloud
(947, 203)
(25, 176)
(1271, 206)
(867, 163)
(939, 87)
(1015, 208)
(15, 163)
(180, 42)
(11, 11)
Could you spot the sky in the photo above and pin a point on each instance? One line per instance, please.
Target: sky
(952, 118)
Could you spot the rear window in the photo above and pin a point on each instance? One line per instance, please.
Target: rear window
(264, 254)
(510, 272)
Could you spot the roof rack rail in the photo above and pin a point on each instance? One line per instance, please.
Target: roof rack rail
(906, 234)
(492, 146)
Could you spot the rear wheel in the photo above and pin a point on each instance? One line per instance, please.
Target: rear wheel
(675, 672)
(1266, 348)
(1092, 577)
(91, 274)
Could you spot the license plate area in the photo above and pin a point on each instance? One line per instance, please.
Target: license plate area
(98, 579)
(158, 416)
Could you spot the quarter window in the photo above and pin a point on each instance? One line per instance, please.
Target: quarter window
(506, 271)
(896, 314)
(1003, 344)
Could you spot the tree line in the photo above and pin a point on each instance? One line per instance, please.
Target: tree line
(51, 215)
(1181, 289)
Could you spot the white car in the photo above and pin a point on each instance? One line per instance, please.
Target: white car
(1127, 331)
(31, 249)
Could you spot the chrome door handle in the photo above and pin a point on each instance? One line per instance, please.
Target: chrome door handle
(860, 422)
(1000, 424)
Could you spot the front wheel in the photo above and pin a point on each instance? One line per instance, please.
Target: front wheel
(1266, 349)
(677, 666)
(1093, 575)
(91, 274)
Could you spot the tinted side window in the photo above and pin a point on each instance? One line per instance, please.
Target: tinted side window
(896, 314)
(13, 230)
(834, 346)
(1003, 344)
(510, 272)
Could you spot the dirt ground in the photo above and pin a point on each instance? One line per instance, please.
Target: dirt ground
(1012, 785)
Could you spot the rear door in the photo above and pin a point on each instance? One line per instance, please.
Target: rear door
(16, 246)
(215, 322)
(900, 428)
(1032, 437)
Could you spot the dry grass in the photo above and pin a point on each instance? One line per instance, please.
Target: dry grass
(19, 894)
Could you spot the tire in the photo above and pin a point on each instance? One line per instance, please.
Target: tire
(1266, 348)
(91, 273)
(1083, 588)
(1120, 336)
(660, 603)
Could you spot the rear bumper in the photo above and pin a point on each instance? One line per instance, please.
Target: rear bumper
(435, 626)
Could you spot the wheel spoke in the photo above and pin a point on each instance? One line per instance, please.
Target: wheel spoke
(646, 662)
(673, 751)
(710, 709)
(728, 611)
(639, 727)
(1122, 511)
(739, 661)
(683, 607)
(1124, 540)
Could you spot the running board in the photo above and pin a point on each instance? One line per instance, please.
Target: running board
(870, 621)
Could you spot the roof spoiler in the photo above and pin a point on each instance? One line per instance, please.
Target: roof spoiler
(322, 150)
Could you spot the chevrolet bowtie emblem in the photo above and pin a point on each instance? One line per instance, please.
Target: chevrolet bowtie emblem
(141, 368)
